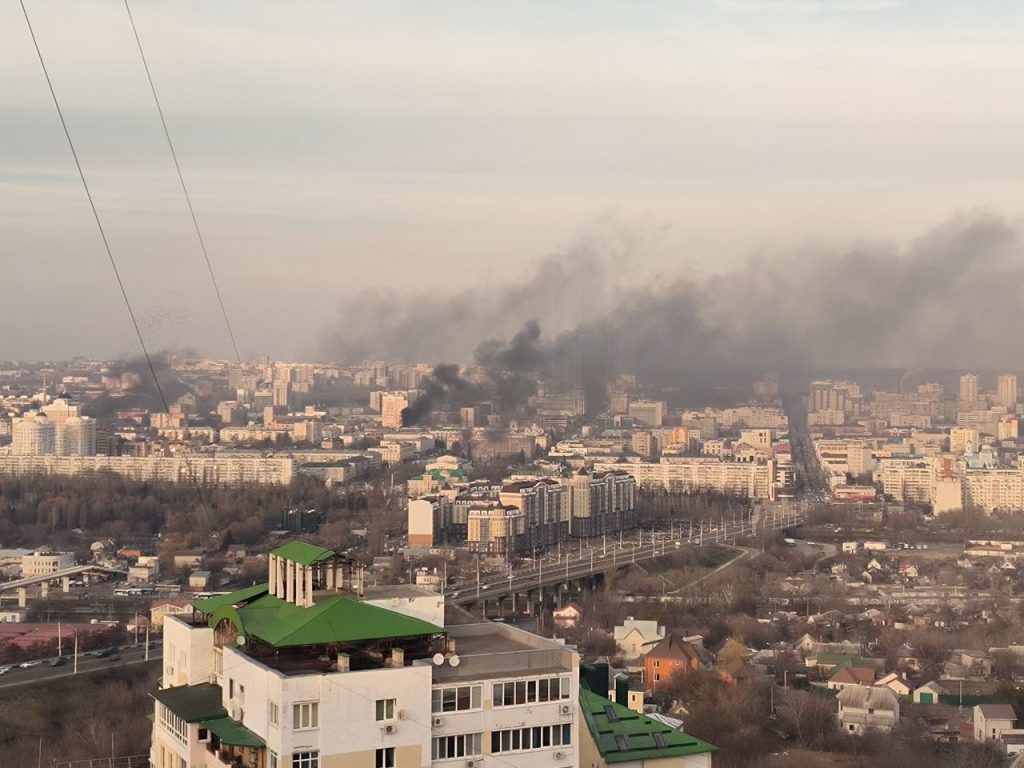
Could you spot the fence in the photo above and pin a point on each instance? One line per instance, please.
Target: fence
(124, 761)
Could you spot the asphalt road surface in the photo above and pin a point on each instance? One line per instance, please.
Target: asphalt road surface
(87, 664)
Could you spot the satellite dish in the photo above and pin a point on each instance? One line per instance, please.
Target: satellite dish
(241, 639)
(438, 659)
(454, 660)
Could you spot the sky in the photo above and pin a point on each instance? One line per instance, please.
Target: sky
(419, 149)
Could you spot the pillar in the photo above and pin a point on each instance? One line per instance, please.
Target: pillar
(272, 574)
(289, 581)
(309, 585)
(22, 597)
(66, 584)
(44, 590)
(300, 584)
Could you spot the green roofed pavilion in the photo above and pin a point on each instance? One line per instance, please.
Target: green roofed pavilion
(624, 736)
(303, 552)
(211, 604)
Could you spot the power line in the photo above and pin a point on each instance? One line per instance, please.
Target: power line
(181, 178)
(92, 206)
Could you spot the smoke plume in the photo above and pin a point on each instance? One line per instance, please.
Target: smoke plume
(443, 386)
(949, 299)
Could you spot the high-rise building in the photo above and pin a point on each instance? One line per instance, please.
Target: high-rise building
(345, 676)
(33, 435)
(283, 393)
(648, 413)
(76, 437)
(968, 388)
(391, 406)
(1006, 390)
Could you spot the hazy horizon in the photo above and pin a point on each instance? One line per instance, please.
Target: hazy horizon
(348, 160)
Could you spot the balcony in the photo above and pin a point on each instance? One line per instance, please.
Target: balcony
(224, 756)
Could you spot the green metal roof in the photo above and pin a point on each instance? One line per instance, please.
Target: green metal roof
(337, 619)
(193, 703)
(624, 736)
(212, 604)
(233, 733)
(302, 552)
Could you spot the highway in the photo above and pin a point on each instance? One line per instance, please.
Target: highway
(87, 664)
(604, 557)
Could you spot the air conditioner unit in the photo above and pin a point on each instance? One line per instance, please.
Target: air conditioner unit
(565, 709)
(559, 755)
(438, 722)
(476, 762)
(390, 728)
(400, 714)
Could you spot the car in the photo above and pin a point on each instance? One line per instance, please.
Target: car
(4, 670)
(29, 664)
(114, 657)
(59, 662)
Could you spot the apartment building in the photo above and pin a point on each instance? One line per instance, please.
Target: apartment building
(680, 474)
(43, 563)
(301, 672)
(648, 413)
(600, 502)
(545, 507)
(217, 469)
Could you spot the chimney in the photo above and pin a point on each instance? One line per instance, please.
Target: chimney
(344, 663)
(397, 657)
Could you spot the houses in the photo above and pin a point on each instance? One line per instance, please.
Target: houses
(863, 708)
(991, 721)
(635, 637)
(896, 683)
(848, 676)
(929, 693)
(669, 656)
(162, 608)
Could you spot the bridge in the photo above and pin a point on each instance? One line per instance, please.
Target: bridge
(551, 580)
(44, 580)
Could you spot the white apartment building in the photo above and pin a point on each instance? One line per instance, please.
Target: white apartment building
(754, 480)
(33, 435)
(991, 489)
(391, 406)
(648, 413)
(204, 469)
(963, 440)
(301, 673)
(907, 478)
(43, 563)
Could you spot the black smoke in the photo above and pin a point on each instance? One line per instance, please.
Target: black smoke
(951, 298)
(444, 386)
(514, 368)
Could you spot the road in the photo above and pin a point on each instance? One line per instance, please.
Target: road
(86, 664)
(600, 558)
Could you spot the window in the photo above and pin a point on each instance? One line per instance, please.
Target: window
(456, 698)
(462, 745)
(231, 688)
(174, 724)
(241, 694)
(538, 737)
(386, 757)
(272, 759)
(533, 691)
(305, 760)
(657, 663)
(385, 709)
(273, 713)
(306, 715)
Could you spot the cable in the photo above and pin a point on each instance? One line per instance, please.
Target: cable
(92, 205)
(181, 178)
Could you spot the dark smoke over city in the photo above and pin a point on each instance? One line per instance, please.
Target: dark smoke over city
(939, 301)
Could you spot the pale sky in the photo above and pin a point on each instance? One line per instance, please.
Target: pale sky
(431, 147)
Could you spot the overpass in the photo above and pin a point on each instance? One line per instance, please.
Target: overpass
(542, 580)
(64, 575)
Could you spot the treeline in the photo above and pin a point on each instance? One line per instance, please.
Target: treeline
(38, 508)
(77, 718)
(661, 506)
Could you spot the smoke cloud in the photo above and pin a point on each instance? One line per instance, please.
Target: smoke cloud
(444, 385)
(949, 299)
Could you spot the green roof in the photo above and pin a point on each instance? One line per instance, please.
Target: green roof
(302, 552)
(337, 619)
(212, 604)
(233, 733)
(623, 736)
(192, 703)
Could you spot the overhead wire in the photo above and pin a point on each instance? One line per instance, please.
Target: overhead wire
(184, 186)
(92, 206)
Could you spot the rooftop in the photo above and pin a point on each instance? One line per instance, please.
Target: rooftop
(193, 703)
(623, 735)
(302, 552)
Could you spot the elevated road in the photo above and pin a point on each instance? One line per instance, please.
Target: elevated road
(608, 557)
